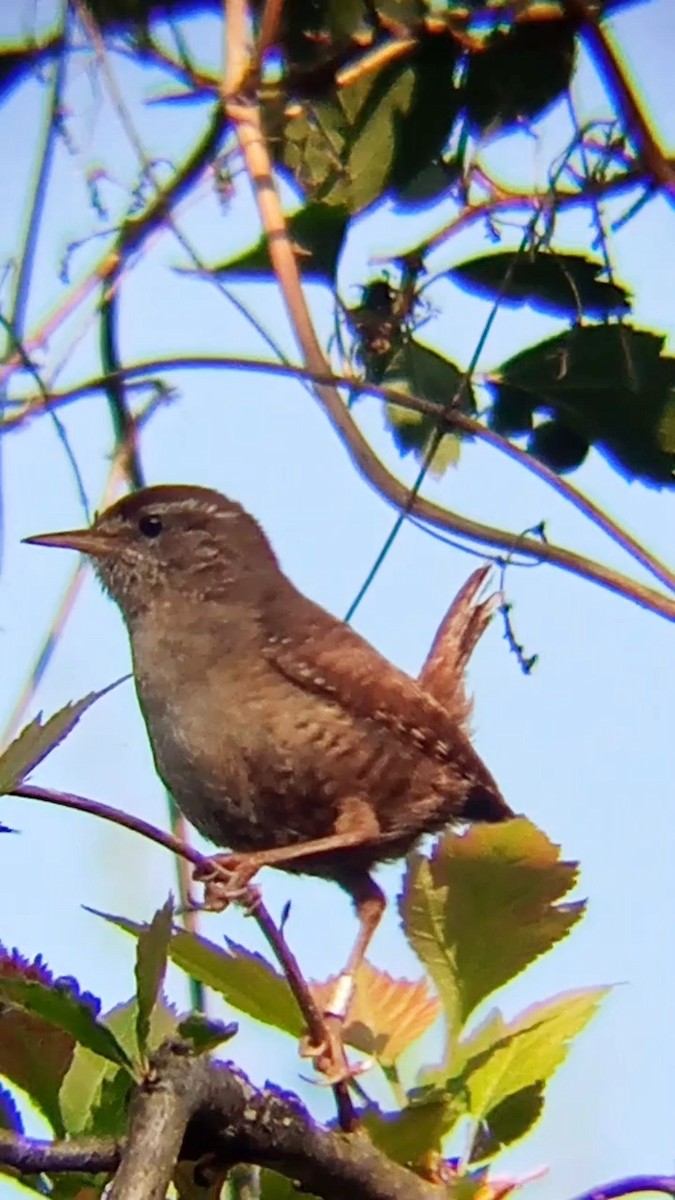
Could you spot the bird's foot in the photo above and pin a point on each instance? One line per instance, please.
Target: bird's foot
(227, 877)
(329, 1057)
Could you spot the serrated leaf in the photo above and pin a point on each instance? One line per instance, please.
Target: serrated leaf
(564, 284)
(37, 739)
(612, 386)
(89, 1076)
(204, 1033)
(152, 951)
(67, 1012)
(524, 1053)
(483, 907)
(246, 980)
(386, 1015)
(34, 1054)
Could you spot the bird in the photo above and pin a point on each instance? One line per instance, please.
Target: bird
(281, 733)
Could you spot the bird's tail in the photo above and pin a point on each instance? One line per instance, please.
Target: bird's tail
(442, 675)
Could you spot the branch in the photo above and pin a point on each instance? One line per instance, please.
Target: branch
(392, 490)
(631, 1185)
(191, 1109)
(251, 900)
(660, 170)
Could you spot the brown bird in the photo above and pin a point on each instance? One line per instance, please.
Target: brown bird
(280, 732)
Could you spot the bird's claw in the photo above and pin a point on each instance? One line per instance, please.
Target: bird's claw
(328, 1056)
(226, 878)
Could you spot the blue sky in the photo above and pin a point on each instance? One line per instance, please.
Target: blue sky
(584, 746)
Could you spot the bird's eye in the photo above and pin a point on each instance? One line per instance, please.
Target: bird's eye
(150, 526)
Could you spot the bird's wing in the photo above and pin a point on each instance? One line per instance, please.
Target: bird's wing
(323, 655)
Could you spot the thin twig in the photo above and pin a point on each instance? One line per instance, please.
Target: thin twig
(210, 867)
(390, 488)
(659, 169)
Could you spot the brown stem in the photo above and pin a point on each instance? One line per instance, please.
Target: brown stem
(391, 489)
(211, 867)
(651, 155)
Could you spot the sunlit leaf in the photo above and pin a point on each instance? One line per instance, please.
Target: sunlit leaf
(37, 739)
(483, 907)
(386, 1015)
(246, 980)
(152, 951)
(416, 370)
(511, 1059)
(86, 1091)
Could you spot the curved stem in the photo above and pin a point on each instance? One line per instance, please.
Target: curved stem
(392, 490)
(251, 899)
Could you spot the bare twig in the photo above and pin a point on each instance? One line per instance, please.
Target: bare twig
(390, 488)
(210, 867)
(654, 161)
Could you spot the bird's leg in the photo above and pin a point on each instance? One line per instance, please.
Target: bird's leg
(370, 904)
(356, 825)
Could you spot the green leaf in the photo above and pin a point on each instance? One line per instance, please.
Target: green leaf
(108, 1115)
(521, 1057)
(205, 1034)
(86, 1089)
(317, 233)
(610, 385)
(378, 132)
(558, 446)
(36, 741)
(34, 1054)
(483, 907)
(565, 284)
(511, 410)
(152, 951)
(414, 1131)
(508, 1121)
(416, 370)
(246, 980)
(68, 1012)
(519, 73)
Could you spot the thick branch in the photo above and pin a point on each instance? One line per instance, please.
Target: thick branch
(190, 1108)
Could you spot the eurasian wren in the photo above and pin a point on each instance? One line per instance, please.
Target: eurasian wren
(281, 733)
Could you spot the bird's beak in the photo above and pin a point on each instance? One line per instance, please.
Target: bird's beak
(87, 541)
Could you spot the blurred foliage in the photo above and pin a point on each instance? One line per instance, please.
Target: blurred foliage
(479, 910)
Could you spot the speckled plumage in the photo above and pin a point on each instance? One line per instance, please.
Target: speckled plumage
(272, 722)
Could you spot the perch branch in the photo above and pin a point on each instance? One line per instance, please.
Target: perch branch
(194, 1109)
(208, 866)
